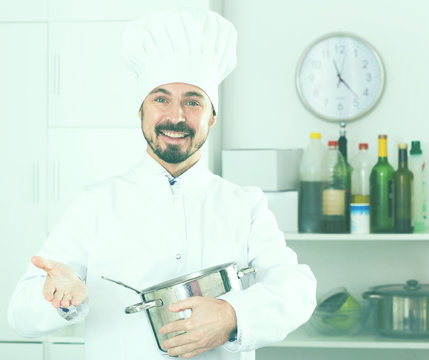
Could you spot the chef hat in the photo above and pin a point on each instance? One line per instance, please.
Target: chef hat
(186, 45)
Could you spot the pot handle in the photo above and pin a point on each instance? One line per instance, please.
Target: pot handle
(143, 306)
(371, 295)
(245, 271)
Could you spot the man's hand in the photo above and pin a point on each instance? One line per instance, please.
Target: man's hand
(62, 285)
(210, 325)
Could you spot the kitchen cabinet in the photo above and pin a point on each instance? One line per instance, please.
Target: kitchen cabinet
(89, 82)
(20, 351)
(63, 10)
(78, 157)
(58, 351)
(22, 152)
(24, 10)
(357, 262)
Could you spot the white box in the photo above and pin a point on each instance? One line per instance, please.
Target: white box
(269, 169)
(284, 205)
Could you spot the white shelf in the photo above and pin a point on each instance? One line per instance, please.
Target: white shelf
(300, 338)
(290, 236)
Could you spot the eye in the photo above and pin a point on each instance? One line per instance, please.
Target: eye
(192, 103)
(160, 100)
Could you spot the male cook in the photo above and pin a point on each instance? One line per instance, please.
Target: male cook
(166, 217)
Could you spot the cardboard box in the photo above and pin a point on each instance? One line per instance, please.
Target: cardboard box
(284, 205)
(269, 169)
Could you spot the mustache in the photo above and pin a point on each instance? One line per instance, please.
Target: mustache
(180, 127)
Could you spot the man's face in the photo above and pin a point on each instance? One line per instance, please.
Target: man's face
(176, 119)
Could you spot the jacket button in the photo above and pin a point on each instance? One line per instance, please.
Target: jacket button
(178, 256)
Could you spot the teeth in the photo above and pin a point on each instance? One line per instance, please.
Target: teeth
(174, 134)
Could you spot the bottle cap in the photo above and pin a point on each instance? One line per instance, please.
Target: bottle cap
(332, 143)
(363, 146)
(382, 136)
(403, 146)
(315, 135)
(415, 148)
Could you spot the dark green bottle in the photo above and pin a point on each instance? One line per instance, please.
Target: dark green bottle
(342, 147)
(381, 191)
(403, 194)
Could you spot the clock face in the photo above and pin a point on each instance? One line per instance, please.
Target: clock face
(340, 77)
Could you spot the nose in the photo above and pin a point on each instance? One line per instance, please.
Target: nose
(177, 114)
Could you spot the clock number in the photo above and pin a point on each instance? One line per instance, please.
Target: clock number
(368, 77)
(355, 102)
(366, 92)
(356, 52)
(325, 53)
(364, 64)
(311, 77)
(326, 101)
(340, 107)
(316, 93)
(340, 49)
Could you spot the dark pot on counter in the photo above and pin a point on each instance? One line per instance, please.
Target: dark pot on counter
(402, 310)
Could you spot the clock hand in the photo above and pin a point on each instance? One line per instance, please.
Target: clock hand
(338, 73)
(348, 87)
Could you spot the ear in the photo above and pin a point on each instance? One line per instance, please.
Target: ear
(212, 120)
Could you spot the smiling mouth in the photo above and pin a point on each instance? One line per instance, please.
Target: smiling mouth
(174, 134)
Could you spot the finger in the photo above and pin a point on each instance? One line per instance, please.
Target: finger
(42, 263)
(65, 302)
(48, 292)
(58, 296)
(189, 303)
(178, 325)
(192, 353)
(78, 299)
(181, 344)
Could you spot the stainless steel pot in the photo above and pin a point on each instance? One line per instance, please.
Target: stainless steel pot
(402, 310)
(211, 282)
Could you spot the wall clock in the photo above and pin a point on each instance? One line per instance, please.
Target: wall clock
(340, 77)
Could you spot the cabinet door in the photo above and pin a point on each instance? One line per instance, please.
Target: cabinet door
(78, 157)
(23, 10)
(22, 152)
(67, 352)
(60, 10)
(21, 351)
(89, 82)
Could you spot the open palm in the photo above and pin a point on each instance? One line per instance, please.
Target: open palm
(63, 287)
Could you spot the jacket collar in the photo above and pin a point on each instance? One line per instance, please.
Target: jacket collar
(155, 168)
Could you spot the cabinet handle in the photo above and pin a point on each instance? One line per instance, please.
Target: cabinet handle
(56, 181)
(36, 182)
(56, 74)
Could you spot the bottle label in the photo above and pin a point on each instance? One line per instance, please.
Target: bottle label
(359, 218)
(333, 202)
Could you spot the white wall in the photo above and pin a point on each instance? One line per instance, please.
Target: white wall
(260, 104)
(261, 109)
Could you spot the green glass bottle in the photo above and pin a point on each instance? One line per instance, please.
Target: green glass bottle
(342, 147)
(403, 193)
(381, 191)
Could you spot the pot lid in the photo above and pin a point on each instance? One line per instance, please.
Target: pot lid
(410, 288)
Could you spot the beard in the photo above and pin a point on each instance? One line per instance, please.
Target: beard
(173, 154)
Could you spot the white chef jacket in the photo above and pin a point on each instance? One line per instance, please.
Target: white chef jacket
(140, 229)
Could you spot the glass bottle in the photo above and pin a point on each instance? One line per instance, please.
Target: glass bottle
(312, 168)
(417, 166)
(381, 191)
(342, 147)
(333, 195)
(403, 193)
(359, 213)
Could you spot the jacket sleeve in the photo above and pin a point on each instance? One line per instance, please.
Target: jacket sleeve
(283, 296)
(29, 313)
